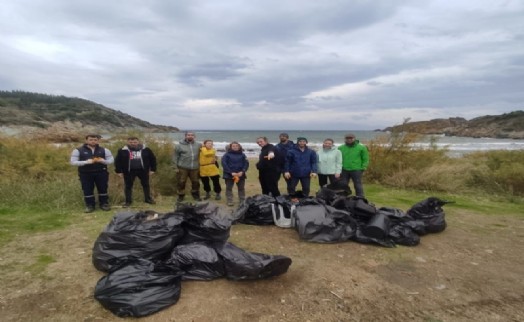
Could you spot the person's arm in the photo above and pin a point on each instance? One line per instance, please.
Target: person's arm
(109, 157)
(338, 163)
(75, 155)
(314, 163)
(246, 164)
(118, 162)
(174, 160)
(365, 157)
(152, 161)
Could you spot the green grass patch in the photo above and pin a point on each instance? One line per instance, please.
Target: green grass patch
(41, 263)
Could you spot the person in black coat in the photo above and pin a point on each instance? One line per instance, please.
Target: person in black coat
(135, 160)
(268, 168)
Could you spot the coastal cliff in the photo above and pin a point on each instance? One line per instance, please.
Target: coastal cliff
(505, 126)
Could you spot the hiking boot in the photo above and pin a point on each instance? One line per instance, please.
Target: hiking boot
(89, 209)
(105, 207)
(218, 197)
(207, 196)
(150, 201)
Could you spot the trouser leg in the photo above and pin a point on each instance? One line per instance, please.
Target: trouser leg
(129, 179)
(262, 179)
(356, 176)
(305, 182)
(205, 183)
(195, 182)
(241, 185)
(87, 182)
(183, 174)
(229, 189)
(143, 175)
(216, 184)
(346, 177)
(322, 180)
(102, 183)
(293, 182)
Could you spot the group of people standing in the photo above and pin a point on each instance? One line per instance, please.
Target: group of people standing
(194, 162)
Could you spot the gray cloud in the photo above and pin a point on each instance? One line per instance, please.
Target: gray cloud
(270, 65)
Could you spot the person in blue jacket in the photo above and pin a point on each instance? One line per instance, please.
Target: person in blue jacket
(301, 164)
(235, 165)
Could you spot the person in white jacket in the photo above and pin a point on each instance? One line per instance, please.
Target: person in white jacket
(329, 163)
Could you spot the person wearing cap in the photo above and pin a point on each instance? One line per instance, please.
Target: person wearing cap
(301, 164)
(355, 160)
(92, 161)
(329, 163)
(186, 164)
(283, 147)
(268, 168)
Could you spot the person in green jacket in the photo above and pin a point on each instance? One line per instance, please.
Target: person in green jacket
(186, 164)
(355, 160)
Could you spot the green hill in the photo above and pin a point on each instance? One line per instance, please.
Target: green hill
(19, 108)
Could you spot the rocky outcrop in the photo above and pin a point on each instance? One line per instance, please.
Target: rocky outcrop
(509, 125)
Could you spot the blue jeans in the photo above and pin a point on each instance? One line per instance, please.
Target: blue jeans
(356, 177)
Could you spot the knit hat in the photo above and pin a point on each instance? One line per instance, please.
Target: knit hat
(300, 138)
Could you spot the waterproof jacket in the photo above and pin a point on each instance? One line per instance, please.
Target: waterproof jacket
(186, 155)
(83, 153)
(234, 161)
(354, 156)
(300, 163)
(282, 150)
(329, 161)
(123, 159)
(207, 159)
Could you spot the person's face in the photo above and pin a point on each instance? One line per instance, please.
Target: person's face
(209, 145)
(327, 144)
(92, 141)
(235, 147)
(301, 143)
(350, 139)
(190, 137)
(133, 143)
(283, 138)
(261, 142)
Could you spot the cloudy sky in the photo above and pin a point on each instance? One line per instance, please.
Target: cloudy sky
(267, 64)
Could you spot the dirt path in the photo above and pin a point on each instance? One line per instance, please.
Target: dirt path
(473, 271)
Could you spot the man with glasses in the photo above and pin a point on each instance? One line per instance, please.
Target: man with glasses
(355, 160)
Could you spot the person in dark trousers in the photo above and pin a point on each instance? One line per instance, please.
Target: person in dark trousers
(209, 170)
(132, 161)
(92, 161)
(283, 147)
(186, 165)
(268, 168)
(301, 165)
(355, 160)
(235, 165)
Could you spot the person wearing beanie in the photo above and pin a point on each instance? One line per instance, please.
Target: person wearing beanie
(355, 160)
(301, 164)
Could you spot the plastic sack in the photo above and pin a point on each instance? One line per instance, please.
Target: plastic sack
(243, 265)
(357, 206)
(377, 227)
(204, 223)
(198, 261)
(130, 236)
(324, 224)
(256, 210)
(431, 213)
(139, 289)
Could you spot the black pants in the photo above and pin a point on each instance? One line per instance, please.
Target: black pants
(89, 181)
(268, 179)
(323, 179)
(216, 183)
(356, 177)
(305, 182)
(129, 180)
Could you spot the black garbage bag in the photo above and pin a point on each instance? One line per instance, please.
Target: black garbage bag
(377, 227)
(324, 224)
(400, 218)
(431, 213)
(198, 261)
(243, 265)
(255, 210)
(360, 237)
(204, 222)
(130, 236)
(332, 191)
(403, 234)
(357, 206)
(139, 288)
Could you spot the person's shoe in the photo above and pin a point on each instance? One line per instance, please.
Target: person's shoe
(207, 196)
(150, 201)
(89, 209)
(105, 207)
(218, 197)
(196, 197)
(126, 204)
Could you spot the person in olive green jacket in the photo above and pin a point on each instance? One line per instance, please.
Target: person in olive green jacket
(355, 160)
(186, 165)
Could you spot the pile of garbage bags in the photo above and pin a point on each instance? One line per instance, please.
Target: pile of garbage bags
(334, 216)
(147, 255)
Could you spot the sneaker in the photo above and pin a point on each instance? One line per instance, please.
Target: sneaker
(89, 209)
(150, 201)
(218, 197)
(105, 207)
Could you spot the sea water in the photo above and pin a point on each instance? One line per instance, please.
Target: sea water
(456, 146)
